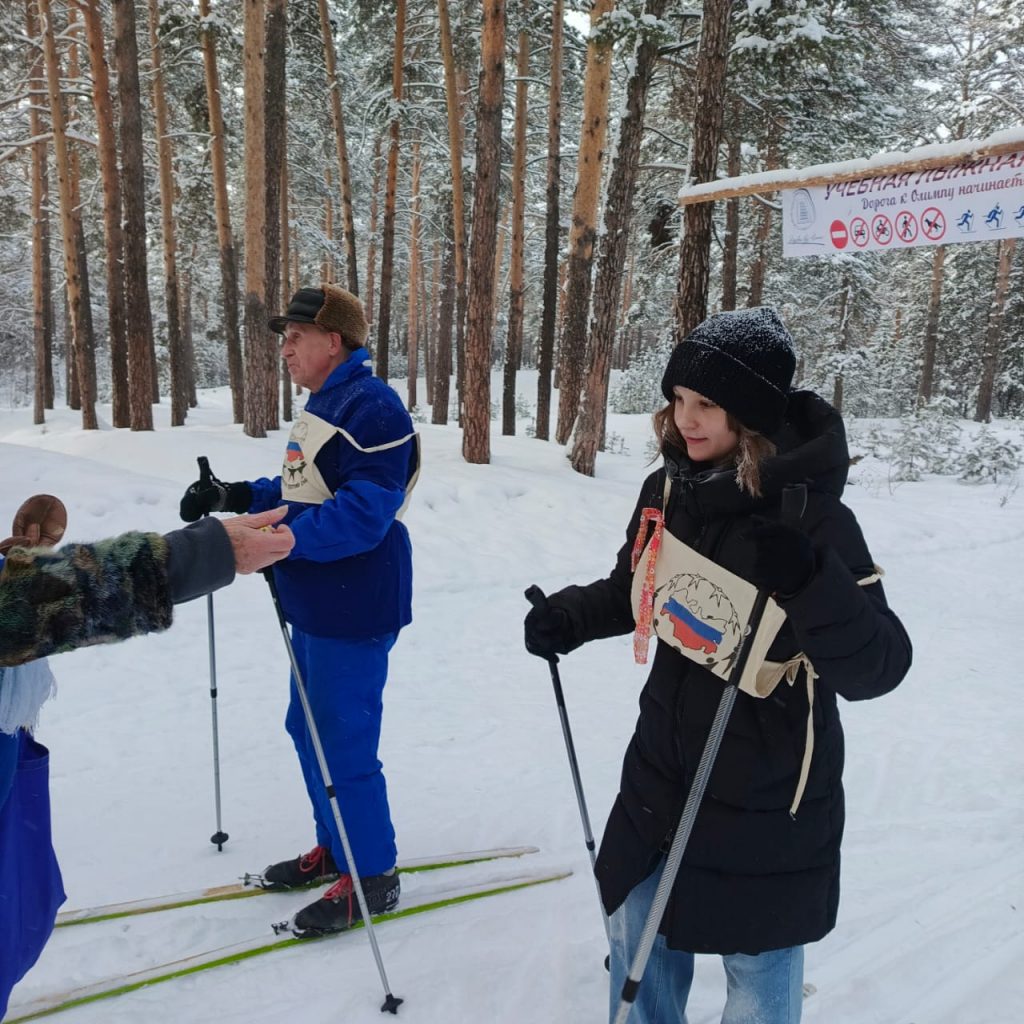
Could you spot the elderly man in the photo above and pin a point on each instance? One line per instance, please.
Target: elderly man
(346, 588)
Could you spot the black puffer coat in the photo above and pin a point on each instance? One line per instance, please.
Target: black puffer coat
(753, 878)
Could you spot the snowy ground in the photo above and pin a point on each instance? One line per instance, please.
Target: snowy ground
(930, 922)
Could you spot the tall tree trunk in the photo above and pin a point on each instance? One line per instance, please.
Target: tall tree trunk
(327, 263)
(931, 326)
(844, 317)
(691, 304)
(187, 341)
(731, 242)
(41, 338)
(387, 258)
(455, 146)
(113, 235)
(86, 351)
(759, 264)
(74, 397)
(549, 308)
(514, 340)
(276, 134)
(49, 316)
(287, 288)
(139, 319)
(583, 234)
(72, 265)
(344, 176)
(445, 315)
(499, 259)
(414, 279)
(172, 288)
(371, 248)
(476, 421)
(260, 347)
(432, 307)
(617, 216)
(627, 304)
(222, 212)
(461, 297)
(993, 350)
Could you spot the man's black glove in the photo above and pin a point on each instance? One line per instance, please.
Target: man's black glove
(205, 496)
(548, 631)
(784, 558)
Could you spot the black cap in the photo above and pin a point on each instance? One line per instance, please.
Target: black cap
(303, 308)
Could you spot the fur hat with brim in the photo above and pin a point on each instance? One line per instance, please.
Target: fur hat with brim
(743, 360)
(329, 307)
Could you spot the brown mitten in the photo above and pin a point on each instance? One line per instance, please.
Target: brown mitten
(40, 522)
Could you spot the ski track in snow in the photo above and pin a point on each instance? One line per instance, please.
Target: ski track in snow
(929, 925)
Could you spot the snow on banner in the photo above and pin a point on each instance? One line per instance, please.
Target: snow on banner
(971, 201)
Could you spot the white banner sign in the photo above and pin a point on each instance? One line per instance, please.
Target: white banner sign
(976, 201)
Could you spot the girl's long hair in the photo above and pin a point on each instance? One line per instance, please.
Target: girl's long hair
(753, 448)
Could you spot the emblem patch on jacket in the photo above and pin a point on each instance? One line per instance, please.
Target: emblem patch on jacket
(701, 616)
(292, 473)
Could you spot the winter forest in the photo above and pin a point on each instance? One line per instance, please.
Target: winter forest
(508, 187)
(499, 186)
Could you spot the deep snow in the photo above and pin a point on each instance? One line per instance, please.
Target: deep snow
(933, 879)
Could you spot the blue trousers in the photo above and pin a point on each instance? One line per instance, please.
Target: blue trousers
(344, 681)
(762, 989)
(31, 889)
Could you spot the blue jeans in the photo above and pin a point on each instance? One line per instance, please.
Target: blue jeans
(344, 682)
(762, 989)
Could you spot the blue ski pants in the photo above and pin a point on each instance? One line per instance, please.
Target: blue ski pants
(344, 681)
(31, 889)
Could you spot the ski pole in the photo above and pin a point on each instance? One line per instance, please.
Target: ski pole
(391, 1002)
(793, 500)
(537, 598)
(220, 837)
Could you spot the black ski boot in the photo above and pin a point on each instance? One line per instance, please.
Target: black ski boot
(309, 869)
(339, 908)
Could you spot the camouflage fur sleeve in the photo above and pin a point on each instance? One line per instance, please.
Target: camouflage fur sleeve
(51, 602)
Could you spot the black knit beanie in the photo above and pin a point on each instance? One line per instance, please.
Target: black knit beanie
(742, 360)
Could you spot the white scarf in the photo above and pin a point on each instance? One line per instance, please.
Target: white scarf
(24, 689)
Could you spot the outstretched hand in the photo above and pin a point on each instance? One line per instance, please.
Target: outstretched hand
(257, 541)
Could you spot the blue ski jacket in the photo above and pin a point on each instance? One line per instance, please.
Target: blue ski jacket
(349, 461)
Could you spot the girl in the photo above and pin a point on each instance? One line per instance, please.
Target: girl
(760, 875)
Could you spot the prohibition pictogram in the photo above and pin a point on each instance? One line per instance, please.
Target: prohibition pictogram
(838, 234)
(881, 229)
(859, 232)
(906, 227)
(933, 223)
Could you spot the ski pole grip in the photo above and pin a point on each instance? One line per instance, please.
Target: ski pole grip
(205, 473)
(536, 597)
